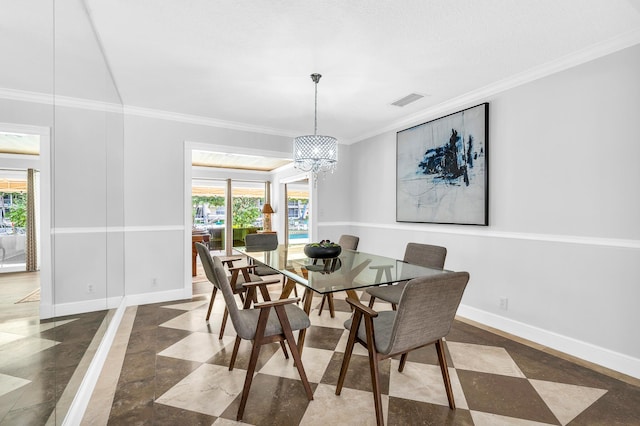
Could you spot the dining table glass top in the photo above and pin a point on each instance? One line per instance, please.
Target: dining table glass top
(351, 270)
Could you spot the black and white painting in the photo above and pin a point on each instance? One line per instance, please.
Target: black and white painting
(442, 169)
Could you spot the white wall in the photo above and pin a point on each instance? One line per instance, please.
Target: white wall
(156, 244)
(563, 243)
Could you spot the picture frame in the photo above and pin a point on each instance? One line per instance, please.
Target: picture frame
(442, 169)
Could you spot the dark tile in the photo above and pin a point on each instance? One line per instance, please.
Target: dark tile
(166, 337)
(133, 399)
(465, 333)
(619, 406)
(142, 340)
(358, 374)
(323, 337)
(503, 395)
(140, 416)
(138, 366)
(405, 412)
(82, 329)
(272, 401)
(542, 366)
(69, 354)
(169, 371)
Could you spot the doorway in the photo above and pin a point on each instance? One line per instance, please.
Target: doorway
(24, 189)
(299, 217)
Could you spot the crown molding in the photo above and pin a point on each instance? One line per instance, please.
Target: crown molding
(205, 121)
(593, 52)
(26, 96)
(580, 57)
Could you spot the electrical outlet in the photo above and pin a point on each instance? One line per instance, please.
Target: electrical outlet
(504, 303)
(154, 282)
(89, 288)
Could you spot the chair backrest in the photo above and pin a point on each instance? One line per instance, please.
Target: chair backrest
(207, 263)
(425, 255)
(426, 310)
(223, 280)
(349, 242)
(261, 242)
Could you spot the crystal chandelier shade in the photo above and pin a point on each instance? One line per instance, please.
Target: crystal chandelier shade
(315, 153)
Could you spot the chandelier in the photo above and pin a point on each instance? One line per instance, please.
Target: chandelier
(315, 153)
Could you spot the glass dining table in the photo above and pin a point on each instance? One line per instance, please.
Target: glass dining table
(350, 271)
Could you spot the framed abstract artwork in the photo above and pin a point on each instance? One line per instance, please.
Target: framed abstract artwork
(442, 169)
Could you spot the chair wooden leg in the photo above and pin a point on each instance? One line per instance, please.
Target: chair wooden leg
(371, 300)
(403, 361)
(253, 360)
(324, 298)
(224, 322)
(307, 308)
(442, 360)
(394, 306)
(355, 323)
(234, 354)
(332, 310)
(373, 366)
(213, 297)
(288, 334)
(284, 349)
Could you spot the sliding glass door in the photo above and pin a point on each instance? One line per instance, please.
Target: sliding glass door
(298, 211)
(209, 210)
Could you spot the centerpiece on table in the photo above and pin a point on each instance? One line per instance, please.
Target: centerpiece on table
(325, 249)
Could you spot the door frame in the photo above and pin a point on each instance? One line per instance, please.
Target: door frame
(43, 164)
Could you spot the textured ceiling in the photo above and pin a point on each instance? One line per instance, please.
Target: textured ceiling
(247, 63)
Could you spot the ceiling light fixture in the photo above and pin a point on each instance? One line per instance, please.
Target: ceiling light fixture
(315, 153)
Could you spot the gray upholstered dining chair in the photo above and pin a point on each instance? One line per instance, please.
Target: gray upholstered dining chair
(347, 242)
(239, 276)
(426, 310)
(267, 322)
(264, 242)
(426, 255)
(261, 242)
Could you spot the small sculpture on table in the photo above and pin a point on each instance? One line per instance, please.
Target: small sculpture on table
(324, 250)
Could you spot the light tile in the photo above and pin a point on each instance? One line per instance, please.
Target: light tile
(28, 327)
(23, 348)
(423, 382)
(352, 406)
(358, 349)
(226, 422)
(208, 390)
(489, 419)
(10, 383)
(566, 401)
(315, 362)
(197, 347)
(8, 337)
(192, 321)
(483, 359)
(188, 306)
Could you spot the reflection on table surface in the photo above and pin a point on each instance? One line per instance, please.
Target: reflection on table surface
(351, 270)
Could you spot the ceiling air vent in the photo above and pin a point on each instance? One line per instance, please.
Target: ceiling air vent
(407, 100)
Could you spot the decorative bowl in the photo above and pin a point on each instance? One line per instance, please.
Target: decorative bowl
(322, 250)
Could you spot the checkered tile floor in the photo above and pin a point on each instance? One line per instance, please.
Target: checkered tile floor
(175, 371)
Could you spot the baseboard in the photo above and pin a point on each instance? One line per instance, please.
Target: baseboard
(83, 395)
(73, 308)
(156, 297)
(595, 354)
